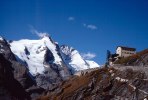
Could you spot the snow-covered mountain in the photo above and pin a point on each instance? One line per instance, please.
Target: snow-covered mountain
(39, 65)
(74, 60)
(37, 54)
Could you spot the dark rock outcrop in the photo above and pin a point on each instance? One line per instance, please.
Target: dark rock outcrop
(103, 84)
(48, 57)
(52, 76)
(16, 83)
(10, 88)
(22, 75)
(5, 50)
(20, 72)
(16, 77)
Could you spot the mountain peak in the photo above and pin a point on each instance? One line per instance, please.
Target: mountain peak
(67, 49)
(47, 37)
(74, 60)
(1, 38)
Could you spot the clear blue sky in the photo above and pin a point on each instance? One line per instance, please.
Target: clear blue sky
(94, 26)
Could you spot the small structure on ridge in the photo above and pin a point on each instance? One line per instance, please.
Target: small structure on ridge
(121, 52)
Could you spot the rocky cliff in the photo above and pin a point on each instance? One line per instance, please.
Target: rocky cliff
(103, 84)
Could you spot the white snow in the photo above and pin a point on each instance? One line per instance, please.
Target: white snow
(92, 64)
(1, 38)
(52, 48)
(121, 79)
(74, 60)
(77, 61)
(37, 49)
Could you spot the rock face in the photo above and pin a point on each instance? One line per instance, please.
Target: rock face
(142, 59)
(22, 75)
(103, 84)
(5, 49)
(15, 77)
(15, 83)
(50, 78)
(127, 81)
(20, 72)
(8, 84)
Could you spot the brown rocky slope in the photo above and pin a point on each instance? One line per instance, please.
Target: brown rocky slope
(128, 80)
(102, 84)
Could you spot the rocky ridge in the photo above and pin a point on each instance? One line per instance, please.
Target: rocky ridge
(103, 84)
(127, 81)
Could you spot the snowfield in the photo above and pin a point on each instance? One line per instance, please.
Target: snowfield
(32, 54)
(36, 49)
(74, 60)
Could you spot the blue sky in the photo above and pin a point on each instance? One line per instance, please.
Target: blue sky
(90, 26)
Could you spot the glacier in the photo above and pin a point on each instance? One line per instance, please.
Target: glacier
(33, 52)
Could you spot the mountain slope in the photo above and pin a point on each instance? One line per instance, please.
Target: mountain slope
(20, 71)
(38, 54)
(74, 60)
(33, 52)
(43, 60)
(119, 82)
(8, 84)
(103, 84)
(5, 49)
(15, 80)
(40, 65)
